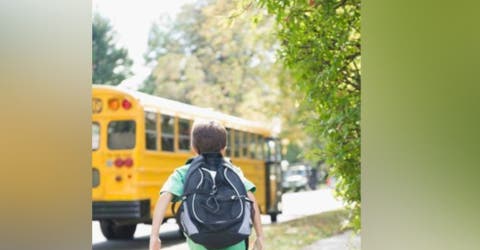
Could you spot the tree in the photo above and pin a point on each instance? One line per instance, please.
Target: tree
(111, 65)
(219, 55)
(320, 45)
(206, 58)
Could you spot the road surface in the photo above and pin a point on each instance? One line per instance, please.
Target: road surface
(295, 205)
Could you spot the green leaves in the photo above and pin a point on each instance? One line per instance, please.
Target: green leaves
(111, 64)
(320, 45)
(212, 55)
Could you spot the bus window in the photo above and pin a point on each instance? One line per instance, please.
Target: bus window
(245, 144)
(95, 136)
(229, 142)
(183, 134)
(121, 135)
(236, 150)
(150, 131)
(251, 146)
(167, 133)
(259, 147)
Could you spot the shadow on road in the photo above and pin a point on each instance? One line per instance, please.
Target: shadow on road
(168, 239)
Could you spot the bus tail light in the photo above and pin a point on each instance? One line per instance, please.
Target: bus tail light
(128, 162)
(119, 162)
(126, 104)
(113, 104)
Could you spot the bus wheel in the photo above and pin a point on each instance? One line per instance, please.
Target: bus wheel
(181, 235)
(273, 218)
(117, 232)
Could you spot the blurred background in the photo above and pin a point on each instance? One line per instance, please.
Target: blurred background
(293, 65)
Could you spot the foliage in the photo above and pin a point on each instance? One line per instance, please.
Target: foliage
(320, 45)
(208, 58)
(293, 153)
(111, 65)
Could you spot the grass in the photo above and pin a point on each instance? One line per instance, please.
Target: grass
(304, 231)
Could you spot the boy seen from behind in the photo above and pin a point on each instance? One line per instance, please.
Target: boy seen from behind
(218, 205)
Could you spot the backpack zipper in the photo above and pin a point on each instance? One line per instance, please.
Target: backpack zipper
(213, 179)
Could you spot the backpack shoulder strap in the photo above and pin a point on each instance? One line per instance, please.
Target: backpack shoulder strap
(194, 162)
(189, 160)
(227, 162)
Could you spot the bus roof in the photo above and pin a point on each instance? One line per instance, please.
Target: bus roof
(176, 108)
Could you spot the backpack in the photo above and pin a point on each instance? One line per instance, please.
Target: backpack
(215, 211)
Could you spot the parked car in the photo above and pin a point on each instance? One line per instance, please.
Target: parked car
(295, 178)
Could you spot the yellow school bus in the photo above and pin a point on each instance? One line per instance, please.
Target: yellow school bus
(139, 139)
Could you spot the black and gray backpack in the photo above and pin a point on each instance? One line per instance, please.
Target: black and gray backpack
(215, 211)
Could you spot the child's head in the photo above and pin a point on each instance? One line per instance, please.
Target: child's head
(208, 137)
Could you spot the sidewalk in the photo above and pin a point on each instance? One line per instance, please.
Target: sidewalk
(345, 241)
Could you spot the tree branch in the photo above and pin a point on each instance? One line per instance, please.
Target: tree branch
(339, 4)
(354, 85)
(353, 56)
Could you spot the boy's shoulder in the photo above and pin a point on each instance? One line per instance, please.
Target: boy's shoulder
(182, 170)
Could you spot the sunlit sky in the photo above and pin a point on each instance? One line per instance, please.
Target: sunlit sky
(131, 20)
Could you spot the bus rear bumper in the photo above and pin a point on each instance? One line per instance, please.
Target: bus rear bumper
(139, 209)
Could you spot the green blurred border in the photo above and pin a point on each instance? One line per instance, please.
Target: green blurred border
(420, 113)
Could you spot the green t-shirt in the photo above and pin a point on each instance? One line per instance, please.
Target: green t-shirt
(174, 185)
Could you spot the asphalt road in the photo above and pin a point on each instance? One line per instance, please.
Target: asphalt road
(295, 205)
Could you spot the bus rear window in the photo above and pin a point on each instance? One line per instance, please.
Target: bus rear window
(121, 135)
(95, 136)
